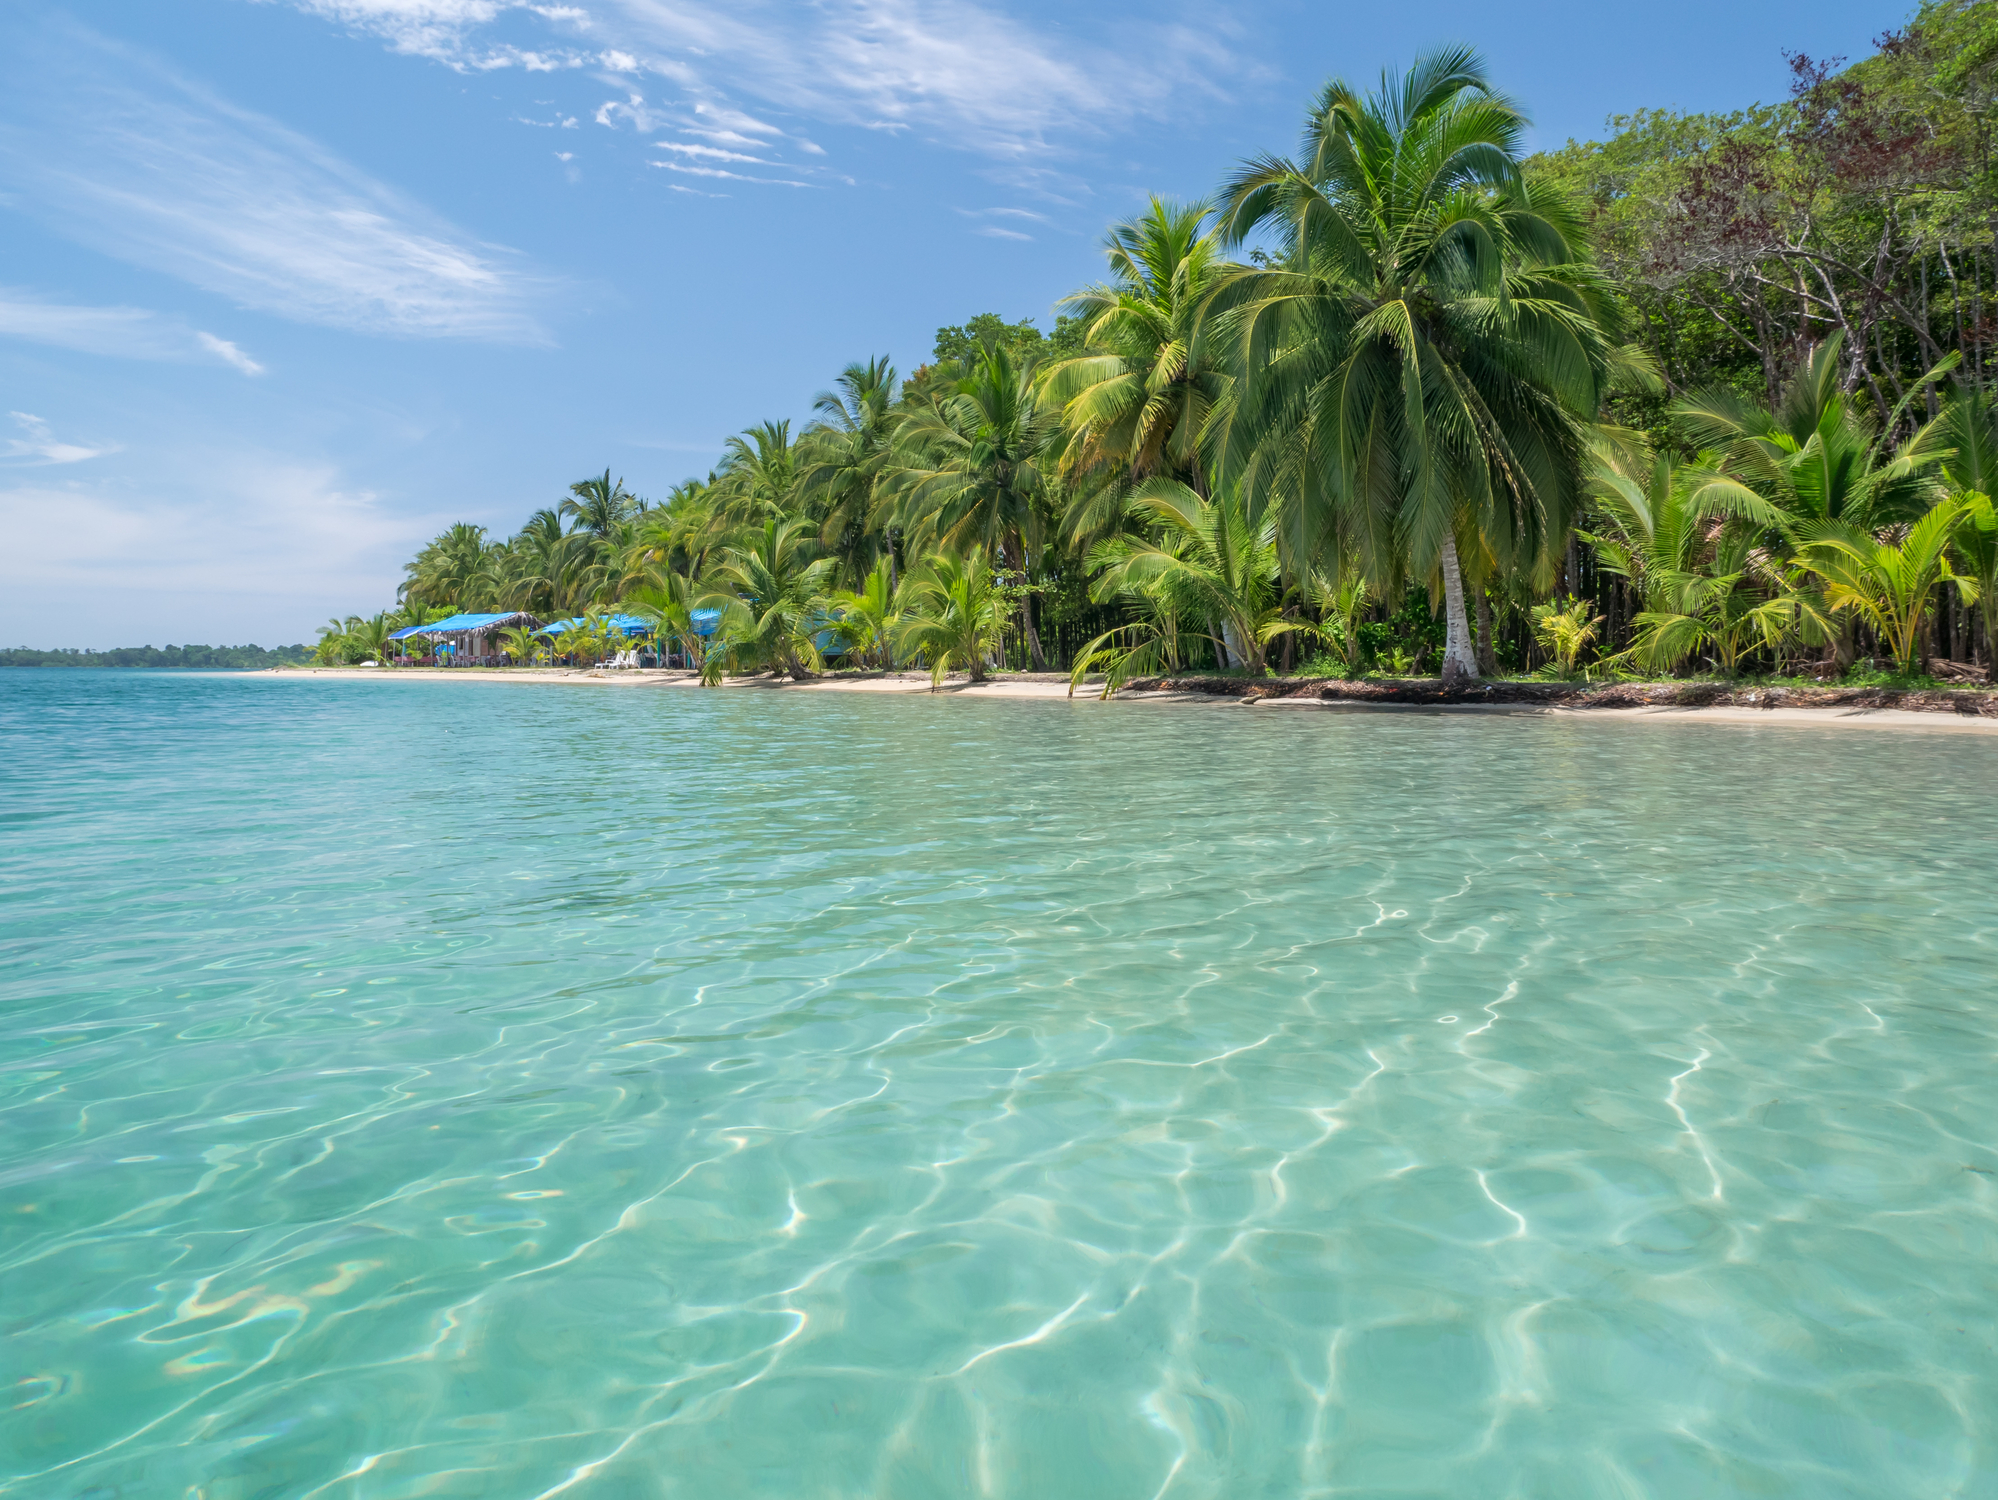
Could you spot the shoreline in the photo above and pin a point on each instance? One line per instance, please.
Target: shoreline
(1869, 708)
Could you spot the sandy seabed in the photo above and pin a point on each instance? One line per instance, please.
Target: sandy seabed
(1053, 685)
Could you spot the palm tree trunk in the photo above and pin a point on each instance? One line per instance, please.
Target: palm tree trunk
(1459, 662)
(1026, 607)
(1487, 659)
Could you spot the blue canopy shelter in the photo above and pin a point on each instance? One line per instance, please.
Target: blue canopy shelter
(456, 630)
(623, 624)
(465, 624)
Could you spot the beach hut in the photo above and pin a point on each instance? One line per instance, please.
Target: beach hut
(464, 635)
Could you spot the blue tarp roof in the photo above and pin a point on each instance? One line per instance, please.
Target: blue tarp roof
(456, 623)
(629, 624)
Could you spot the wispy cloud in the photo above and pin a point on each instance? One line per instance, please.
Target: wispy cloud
(227, 352)
(971, 72)
(675, 166)
(709, 153)
(116, 151)
(993, 231)
(1004, 213)
(39, 445)
(122, 332)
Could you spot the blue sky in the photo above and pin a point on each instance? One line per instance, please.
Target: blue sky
(289, 285)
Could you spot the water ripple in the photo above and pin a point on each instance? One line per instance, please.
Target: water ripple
(743, 1095)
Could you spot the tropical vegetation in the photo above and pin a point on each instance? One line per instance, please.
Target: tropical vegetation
(1714, 395)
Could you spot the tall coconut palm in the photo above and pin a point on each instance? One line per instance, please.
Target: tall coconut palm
(1421, 364)
(758, 475)
(600, 505)
(841, 456)
(458, 567)
(681, 535)
(551, 571)
(1137, 401)
(968, 470)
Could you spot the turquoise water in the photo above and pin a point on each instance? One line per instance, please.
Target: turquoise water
(450, 1090)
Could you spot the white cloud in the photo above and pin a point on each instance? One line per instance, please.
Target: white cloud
(124, 156)
(40, 445)
(674, 166)
(993, 231)
(970, 71)
(223, 350)
(1004, 213)
(124, 332)
(710, 153)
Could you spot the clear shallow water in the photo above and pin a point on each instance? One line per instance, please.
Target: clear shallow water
(429, 1089)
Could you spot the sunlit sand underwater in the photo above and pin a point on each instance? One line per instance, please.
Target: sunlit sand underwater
(434, 1090)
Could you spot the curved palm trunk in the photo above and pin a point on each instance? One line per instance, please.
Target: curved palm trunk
(1026, 607)
(1460, 661)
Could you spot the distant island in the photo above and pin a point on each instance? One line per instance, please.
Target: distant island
(210, 657)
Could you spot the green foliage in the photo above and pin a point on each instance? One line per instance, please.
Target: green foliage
(1136, 401)
(1566, 629)
(773, 597)
(1023, 341)
(1888, 584)
(954, 615)
(866, 619)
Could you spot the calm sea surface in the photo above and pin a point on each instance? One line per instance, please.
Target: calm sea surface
(429, 1089)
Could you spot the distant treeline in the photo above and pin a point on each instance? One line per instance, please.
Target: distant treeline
(161, 656)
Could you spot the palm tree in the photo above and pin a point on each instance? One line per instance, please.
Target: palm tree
(333, 646)
(1420, 365)
(1887, 584)
(969, 469)
(1964, 440)
(778, 603)
(1340, 607)
(679, 536)
(1211, 564)
(520, 645)
(841, 456)
(955, 614)
(1977, 545)
(1566, 629)
(599, 506)
(369, 639)
(758, 476)
(1136, 403)
(867, 617)
(1815, 456)
(551, 571)
(1705, 553)
(668, 606)
(458, 567)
